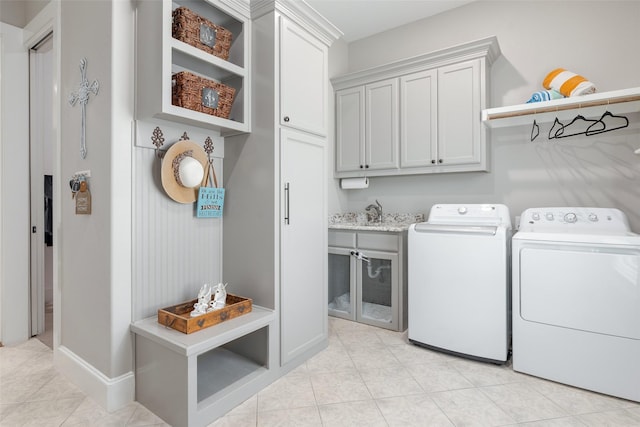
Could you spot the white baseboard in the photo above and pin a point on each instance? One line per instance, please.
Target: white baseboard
(110, 393)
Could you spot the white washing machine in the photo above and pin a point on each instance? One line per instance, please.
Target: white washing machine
(576, 299)
(459, 281)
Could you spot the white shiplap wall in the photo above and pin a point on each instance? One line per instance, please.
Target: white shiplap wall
(174, 251)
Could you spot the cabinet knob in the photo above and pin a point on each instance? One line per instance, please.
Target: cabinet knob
(439, 160)
(366, 166)
(361, 166)
(286, 119)
(433, 162)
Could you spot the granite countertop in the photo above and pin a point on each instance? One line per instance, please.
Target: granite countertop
(393, 222)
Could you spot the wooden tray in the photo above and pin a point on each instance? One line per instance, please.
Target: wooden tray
(179, 317)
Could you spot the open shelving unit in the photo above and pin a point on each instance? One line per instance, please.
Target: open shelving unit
(159, 56)
(619, 102)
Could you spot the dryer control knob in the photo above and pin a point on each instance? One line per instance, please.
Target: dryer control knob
(570, 217)
(535, 216)
(549, 216)
(593, 217)
(462, 210)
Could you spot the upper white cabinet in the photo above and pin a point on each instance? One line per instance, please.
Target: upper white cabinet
(350, 124)
(432, 125)
(159, 56)
(303, 80)
(461, 138)
(419, 131)
(367, 127)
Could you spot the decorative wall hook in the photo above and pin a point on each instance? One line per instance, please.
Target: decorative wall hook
(157, 139)
(208, 146)
(82, 96)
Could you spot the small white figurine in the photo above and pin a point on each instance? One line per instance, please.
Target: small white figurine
(204, 297)
(219, 298)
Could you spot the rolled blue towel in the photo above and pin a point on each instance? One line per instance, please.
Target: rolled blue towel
(545, 95)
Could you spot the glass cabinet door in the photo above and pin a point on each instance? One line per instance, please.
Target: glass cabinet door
(342, 279)
(377, 291)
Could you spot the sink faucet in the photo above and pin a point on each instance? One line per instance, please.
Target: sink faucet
(377, 208)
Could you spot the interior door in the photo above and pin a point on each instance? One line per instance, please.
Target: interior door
(41, 165)
(303, 288)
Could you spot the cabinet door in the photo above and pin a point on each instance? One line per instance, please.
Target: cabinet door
(350, 129)
(381, 125)
(459, 111)
(303, 79)
(303, 258)
(342, 283)
(418, 121)
(378, 289)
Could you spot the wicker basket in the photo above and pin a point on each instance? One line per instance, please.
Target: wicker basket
(201, 33)
(199, 94)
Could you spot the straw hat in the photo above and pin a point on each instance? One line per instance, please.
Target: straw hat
(182, 171)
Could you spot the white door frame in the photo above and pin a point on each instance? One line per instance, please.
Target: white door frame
(48, 21)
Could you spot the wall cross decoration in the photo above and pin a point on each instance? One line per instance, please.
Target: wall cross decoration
(82, 96)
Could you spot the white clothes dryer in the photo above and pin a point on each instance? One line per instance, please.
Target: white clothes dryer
(459, 281)
(576, 299)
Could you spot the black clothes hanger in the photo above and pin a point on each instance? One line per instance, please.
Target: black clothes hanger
(614, 123)
(577, 126)
(552, 132)
(535, 130)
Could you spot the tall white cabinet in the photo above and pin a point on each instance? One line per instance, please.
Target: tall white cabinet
(415, 116)
(275, 212)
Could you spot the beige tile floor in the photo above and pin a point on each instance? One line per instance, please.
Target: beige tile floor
(366, 377)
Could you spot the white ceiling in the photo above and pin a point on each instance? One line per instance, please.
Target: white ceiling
(362, 18)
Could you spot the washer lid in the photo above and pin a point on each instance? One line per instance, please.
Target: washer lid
(470, 214)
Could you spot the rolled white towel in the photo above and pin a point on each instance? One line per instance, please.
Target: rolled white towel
(568, 83)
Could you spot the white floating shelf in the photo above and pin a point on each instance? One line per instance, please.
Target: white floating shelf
(620, 102)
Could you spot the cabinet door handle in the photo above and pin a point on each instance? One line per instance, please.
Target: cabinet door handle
(439, 160)
(433, 162)
(286, 203)
(366, 166)
(286, 119)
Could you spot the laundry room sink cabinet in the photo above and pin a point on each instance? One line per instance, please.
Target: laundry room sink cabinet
(367, 277)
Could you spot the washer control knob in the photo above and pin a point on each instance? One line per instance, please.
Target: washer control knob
(462, 210)
(570, 217)
(535, 216)
(593, 217)
(549, 216)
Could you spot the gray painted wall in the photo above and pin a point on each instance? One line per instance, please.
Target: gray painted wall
(95, 260)
(591, 38)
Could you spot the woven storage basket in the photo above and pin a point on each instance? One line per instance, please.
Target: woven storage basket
(201, 33)
(194, 92)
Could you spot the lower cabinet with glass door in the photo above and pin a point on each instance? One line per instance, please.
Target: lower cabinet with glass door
(367, 278)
